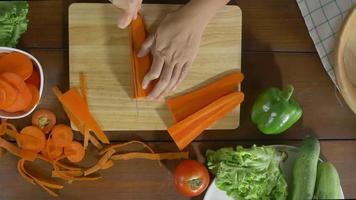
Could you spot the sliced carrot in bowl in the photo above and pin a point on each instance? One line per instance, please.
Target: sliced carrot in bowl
(17, 63)
(35, 96)
(24, 98)
(75, 152)
(10, 92)
(34, 79)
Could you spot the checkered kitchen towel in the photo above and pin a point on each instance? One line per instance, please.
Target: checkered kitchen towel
(324, 19)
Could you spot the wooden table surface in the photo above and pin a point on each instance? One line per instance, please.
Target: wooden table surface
(277, 50)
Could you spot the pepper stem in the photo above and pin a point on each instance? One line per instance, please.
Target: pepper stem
(287, 92)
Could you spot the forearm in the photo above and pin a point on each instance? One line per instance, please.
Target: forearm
(203, 10)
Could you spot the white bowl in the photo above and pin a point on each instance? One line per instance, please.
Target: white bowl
(36, 64)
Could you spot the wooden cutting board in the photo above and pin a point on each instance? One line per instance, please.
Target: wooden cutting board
(101, 50)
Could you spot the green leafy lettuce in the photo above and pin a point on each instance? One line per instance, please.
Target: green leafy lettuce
(248, 173)
(13, 21)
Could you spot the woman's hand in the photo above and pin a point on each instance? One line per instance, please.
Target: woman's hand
(129, 9)
(174, 47)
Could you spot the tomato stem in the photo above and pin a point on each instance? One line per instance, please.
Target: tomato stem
(195, 183)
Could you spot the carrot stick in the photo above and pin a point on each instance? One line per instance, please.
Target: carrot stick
(185, 131)
(100, 163)
(22, 173)
(74, 103)
(140, 66)
(151, 156)
(27, 155)
(17, 63)
(86, 137)
(107, 165)
(83, 86)
(67, 176)
(187, 104)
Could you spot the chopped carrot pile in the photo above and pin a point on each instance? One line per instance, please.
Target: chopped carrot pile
(140, 66)
(198, 110)
(19, 83)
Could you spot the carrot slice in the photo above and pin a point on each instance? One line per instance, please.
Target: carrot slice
(75, 152)
(44, 119)
(24, 98)
(52, 151)
(31, 138)
(185, 131)
(151, 156)
(77, 107)
(17, 63)
(62, 135)
(3, 54)
(35, 96)
(11, 94)
(34, 79)
(140, 66)
(187, 104)
(27, 155)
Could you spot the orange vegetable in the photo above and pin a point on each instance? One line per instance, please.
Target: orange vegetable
(151, 156)
(75, 152)
(65, 175)
(2, 152)
(118, 146)
(34, 79)
(77, 109)
(187, 104)
(25, 154)
(35, 96)
(8, 95)
(52, 151)
(17, 63)
(24, 94)
(140, 66)
(185, 131)
(3, 54)
(44, 119)
(62, 135)
(108, 164)
(31, 138)
(101, 163)
(83, 90)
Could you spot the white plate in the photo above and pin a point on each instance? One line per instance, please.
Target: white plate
(214, 193)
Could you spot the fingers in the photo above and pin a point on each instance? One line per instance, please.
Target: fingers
(182, 75)
(129, 11)
(174, 80)
(163, 82)
(154, 72)
(124, 19)
(146, 46)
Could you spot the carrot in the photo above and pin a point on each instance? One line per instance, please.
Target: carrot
(44, 119)
(3, 54)
(52, 151)
(35, 96)
(83, 86)
(100, 163)
(11, 94)
(140, 66)
(187, 104)
(34, 79)
(65, 175)
(107, 165)
(2, 152)
(151, 156)
(31, 138)
(62, 135)
(20, 169)
(17, 63)
(24, 98)
(75, 152)
(117, 146)
(185, 131)
(27, 155)
(76, 106)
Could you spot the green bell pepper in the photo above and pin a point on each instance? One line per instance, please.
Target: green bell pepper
(274, 111)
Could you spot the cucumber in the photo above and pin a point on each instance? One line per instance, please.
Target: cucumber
(327, 182)
(305, 170)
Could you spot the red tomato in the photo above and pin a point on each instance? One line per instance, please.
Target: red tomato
(44, 119)
(191, 178)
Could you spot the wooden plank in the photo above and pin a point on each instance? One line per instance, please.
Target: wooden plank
(101, 50)
(146, 180)
(274, 25)
(325, 113)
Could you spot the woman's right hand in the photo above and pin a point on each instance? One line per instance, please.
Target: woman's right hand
(129, 10)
